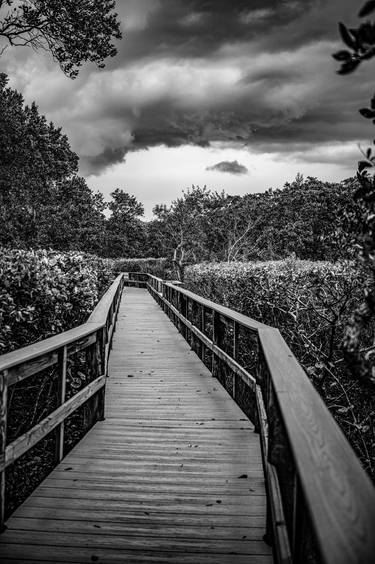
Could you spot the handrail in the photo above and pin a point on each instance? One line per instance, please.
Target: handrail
(321, 503)
(94, 337)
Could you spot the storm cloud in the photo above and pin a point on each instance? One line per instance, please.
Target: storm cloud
(232, 167)
(257, 74)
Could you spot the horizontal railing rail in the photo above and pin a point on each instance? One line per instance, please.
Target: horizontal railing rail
(93, 338)
(321, 503)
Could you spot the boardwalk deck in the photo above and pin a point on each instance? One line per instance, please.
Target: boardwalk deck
(174, 473)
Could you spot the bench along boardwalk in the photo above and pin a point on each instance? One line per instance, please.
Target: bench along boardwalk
(174, 472)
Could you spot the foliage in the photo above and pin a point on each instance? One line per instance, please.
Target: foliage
(125, 234)
(361, 44)
(43, 293)
(181, 227)
(160, 267)
(73, 31)
(43, 203)
(310, 302)
(305, 217)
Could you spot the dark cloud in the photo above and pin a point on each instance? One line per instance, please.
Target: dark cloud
(195, 72)
(233, 167)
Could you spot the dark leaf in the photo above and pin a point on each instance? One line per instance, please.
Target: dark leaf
(367, 113)
(362, 165)
(367, 9)
(348, 66)
(347, 36)
(342, 56)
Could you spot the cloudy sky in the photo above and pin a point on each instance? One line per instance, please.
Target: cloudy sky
(239, 95)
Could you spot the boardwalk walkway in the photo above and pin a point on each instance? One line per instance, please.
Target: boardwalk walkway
(174, 473)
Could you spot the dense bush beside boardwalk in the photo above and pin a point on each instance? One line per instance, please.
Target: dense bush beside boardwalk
(46, 292)
(43, 293)
(310, 303)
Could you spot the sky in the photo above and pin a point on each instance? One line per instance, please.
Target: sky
(235, 95)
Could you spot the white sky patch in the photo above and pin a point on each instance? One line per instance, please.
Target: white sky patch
(159, 175)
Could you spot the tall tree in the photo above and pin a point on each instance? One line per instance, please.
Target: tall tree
(34, 155)
(125, 233)
(73, 31)
(182, 226)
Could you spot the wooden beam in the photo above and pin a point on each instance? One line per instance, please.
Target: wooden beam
(42, 348)
(24, 443)
(338, 493)
(3, 436)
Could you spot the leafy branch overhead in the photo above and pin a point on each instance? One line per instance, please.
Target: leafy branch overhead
(361, 47)
(73, 31)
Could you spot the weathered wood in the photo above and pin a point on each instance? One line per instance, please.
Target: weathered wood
(31, 367)
(101, 311)
(21, 445)
(340, 496)
(173, 474)
(277, 533)
(37, 350)
(61, 389)
(233, 365)
(3, 436)
(222, 310)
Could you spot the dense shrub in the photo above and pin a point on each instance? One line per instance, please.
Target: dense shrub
(46, 292)
(157, 266)
(310, 302)
(43, 293)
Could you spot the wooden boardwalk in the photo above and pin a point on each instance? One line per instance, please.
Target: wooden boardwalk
(174, 474)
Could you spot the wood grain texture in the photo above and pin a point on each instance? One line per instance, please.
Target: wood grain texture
(31, 352)
(173, 474)
(340, 496)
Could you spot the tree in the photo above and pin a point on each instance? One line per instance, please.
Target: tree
(73, 218)
(360, 45)
(125, 233)
(73, 31)
(182, 226)
(34, 155)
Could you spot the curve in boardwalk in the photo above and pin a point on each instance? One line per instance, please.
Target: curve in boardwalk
(174, 474)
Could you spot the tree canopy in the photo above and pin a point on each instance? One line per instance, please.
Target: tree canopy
(73, 31)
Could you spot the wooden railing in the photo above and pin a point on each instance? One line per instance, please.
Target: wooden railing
(321, 504)
(94, 338)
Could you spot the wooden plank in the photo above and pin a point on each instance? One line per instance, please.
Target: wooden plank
(31, 367)
(247, 378)
(3, 437)
(21, 445)
(61, 389)
(243, 320)
(100, 313)
(42, 348)
(172, 475)
(340, 496)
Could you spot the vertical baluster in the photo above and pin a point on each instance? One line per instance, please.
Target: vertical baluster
(99, 371)
(216, 338)
(3, 435)
(235, 355)
(61, 389)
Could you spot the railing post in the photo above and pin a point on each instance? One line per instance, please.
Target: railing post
(216, 337)
(235, 355)
(3, 436)
(61, 389)
(101, 370)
